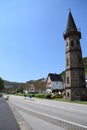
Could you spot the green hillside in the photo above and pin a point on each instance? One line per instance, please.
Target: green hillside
(39, 84)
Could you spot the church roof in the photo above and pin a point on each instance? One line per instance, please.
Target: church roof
(70, 24)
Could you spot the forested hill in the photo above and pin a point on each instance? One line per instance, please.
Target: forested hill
(9, 84)
(40, 82)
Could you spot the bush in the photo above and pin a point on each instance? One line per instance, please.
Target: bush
(43, 96)
(40, 95)
(32, 95)
(49, 96)
(25, 95)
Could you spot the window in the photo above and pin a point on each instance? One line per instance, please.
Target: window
(82, 78)
(67, 62)
(72, 43)
(67, 44)
(67, 80)
(67, 94)
(80, 60)
(77, 42)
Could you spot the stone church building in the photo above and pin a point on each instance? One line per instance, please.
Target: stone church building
(75, 87)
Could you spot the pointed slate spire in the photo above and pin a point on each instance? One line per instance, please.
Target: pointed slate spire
(71, 28)
(70, 24)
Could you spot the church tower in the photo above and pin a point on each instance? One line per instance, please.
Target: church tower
(75, 86)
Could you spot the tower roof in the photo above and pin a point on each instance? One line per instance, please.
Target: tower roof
(70, 24)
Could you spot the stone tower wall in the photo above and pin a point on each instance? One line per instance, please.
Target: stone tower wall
(74, 68)
(75, 86)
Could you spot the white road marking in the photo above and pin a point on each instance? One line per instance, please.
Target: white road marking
(50, 116)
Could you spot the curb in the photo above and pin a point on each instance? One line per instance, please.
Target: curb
(21, 122)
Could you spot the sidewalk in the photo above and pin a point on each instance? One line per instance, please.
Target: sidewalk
(7, 119)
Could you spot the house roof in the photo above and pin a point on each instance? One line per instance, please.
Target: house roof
(55, 77)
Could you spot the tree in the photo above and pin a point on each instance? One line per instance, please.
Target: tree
(1, 84)
(20, 88)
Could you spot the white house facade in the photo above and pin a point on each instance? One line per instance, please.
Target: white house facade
(29, 89)
(54, 83)
(32, 89)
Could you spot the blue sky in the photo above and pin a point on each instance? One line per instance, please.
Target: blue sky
(31, 36)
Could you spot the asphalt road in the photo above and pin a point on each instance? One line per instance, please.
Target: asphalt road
(7, 119)
(53, 113)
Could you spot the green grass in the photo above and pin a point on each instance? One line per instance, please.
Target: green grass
(47, 96)
(65, 100)
(34, 95)
(19, 94)
(42, 95)
(80, 102)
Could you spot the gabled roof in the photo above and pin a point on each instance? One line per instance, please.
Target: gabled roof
(70, 24)
(55, 77)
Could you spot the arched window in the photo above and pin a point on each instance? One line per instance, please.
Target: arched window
(68, 80)
(77, 42)
(67, 62)
(67, 94)
(80, 60)
(72, 43)
(82, 78)
(67, 44)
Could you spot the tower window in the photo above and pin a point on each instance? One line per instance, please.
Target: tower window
(77, 42)
(67, 80)
(72, 43)
(82, 78)
(67, 62)
(67, 94)
(67, 44)
(80, 60)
